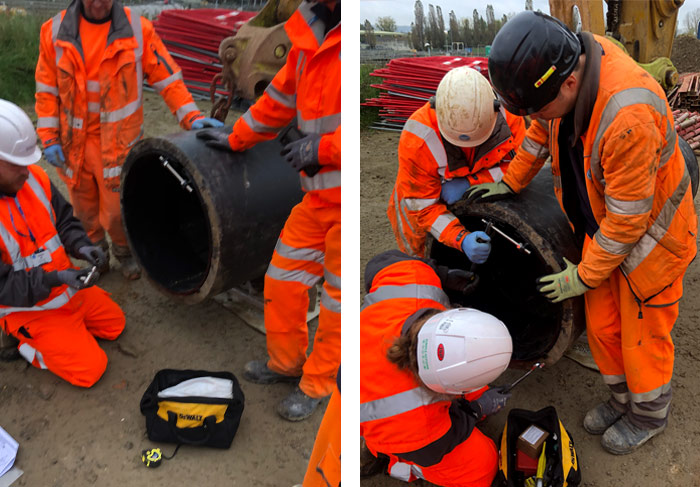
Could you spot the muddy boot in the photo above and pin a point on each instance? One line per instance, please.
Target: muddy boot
(369, 464)
(104, 245)
(624, 437)
(8, 347)
(600, 418)
(130, 269)
(257, 371)
(297, 406)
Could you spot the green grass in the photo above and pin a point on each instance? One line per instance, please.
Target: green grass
(368, 115)
(19, 51)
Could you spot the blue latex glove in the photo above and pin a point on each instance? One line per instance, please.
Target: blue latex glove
(54, 155)
(200, 123)
(492, 401)
(453, 190)
(477, 246)
(302, 154)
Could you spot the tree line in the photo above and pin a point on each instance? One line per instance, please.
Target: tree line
(428, 31)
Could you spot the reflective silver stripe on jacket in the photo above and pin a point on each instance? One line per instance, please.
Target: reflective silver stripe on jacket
(11, 245)
(256, 126)
(432, 142)
(93, 107)
(320, 125)
(625, 98)
(159, 86)
(121, 113)
(306, 278)
(52, 245)
(399, 222)
(44, 88)
(289, 252)
(93, 86)
(331, 279)
(322, 180)
(440, 224)
(396, 404)
(621, 207)
(41, 196)
(418, 204)
(289, 101)
(30, 353)
(535, 149)
(402, 471)
(496, 173)
(659, 227)
(185, 109)
(329, 303)
(55, 303)
(312, 20)
(55, 25)
(407, 291)
(47, 122)
(111, 172)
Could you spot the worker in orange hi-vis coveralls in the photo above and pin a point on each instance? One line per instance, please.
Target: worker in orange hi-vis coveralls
(45, 302)
(308, 87)
(622, 181)
(461, 137)
(92, 60)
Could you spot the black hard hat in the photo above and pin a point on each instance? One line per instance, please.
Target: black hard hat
(530, 58)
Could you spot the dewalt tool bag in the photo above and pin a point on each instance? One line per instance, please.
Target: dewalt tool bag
(193, 407)
(562, 467)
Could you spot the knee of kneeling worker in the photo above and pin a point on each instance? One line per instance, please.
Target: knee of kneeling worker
(90, 371)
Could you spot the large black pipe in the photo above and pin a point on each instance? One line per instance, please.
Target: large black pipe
(507, 289)
(199, 220)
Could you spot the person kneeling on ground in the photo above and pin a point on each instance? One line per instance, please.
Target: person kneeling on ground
(45, 302)
(424, 373)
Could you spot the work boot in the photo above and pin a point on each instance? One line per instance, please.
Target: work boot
(258, 372)
(297, 406)
(624, 437)
(600, 418)
(104, 245)
(369, 464)
(130, 269)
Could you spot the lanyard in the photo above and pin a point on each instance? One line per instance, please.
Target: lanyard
(12, 220)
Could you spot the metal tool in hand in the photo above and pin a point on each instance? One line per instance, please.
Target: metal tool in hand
(518, 245)
(91, 276)
(537, 365)
(487, 231)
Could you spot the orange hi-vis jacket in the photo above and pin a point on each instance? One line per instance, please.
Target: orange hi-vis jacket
(308, 87)
(28, 225)
(426, 160)
(637, 182)
(397, 414)
(62, 107)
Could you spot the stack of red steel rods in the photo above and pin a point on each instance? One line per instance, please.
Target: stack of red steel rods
(410, 82)
(193, 36)
(688, 126)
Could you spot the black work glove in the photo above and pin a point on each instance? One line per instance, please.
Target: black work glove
(215, 138)
(461, 281)
(302, 154)
(492, 401)
(93, 255)
(75, 278)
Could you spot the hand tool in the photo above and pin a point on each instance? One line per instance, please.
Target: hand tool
(91, 276)
(541, 464)
(518, 245)
(487, 231)
(537, 365)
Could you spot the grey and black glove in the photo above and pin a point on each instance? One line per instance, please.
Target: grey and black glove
(461, 281)
(302, 154)
(93, 254)
(492, 401)
(74, 278)
(215, 138)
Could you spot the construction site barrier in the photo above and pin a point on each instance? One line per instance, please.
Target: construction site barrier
(199, 220)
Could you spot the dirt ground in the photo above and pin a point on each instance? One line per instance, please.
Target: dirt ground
(76, 437)
(669, 459)
(685, 54)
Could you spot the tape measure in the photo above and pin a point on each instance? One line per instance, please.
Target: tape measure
(154, 457)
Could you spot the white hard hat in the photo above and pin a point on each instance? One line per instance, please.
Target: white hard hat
(464, 103)
(461, 350)
(17, 136)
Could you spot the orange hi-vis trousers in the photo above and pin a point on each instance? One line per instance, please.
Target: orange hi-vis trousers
(632, 346)
(96, 206)
(308, 249)
(324, 465)
(63, 340)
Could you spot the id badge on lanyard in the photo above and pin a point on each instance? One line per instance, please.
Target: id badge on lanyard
(38, 258)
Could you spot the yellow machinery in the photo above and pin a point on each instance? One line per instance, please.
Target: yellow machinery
(645, 28)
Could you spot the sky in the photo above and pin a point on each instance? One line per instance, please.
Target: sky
(402, 10)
